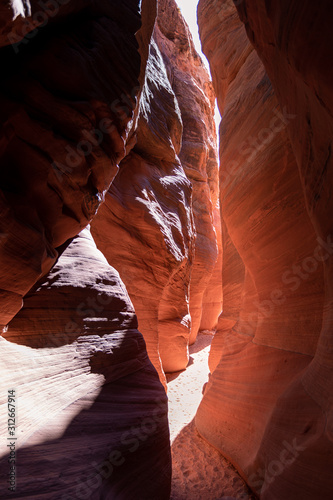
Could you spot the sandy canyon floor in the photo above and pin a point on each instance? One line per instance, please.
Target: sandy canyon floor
(199, 470)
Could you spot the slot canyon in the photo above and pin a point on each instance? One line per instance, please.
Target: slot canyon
(166, 287)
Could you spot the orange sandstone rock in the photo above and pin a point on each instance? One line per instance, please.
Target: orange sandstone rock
(198, 154)
(294, 42)
(274, 335)
(157, 224)
(145, 226)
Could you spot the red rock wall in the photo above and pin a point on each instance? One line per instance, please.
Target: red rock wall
(198, 155)
(157, 224)
(232, 280)
(145, 227)
(301, 72)
(64, 124)
(251, 410)
(212, 302)
(92, 411)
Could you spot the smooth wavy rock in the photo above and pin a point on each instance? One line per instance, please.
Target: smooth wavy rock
(294, 42)
(275, 333)
(92, 413)
(157, 225)
(66, 100)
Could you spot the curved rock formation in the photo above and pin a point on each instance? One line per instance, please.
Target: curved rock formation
(302, 52)
(275, 334)
(157, 226)
(89, 401)
(198, 154)
(145, 225)
(92, 411)
(66, 99)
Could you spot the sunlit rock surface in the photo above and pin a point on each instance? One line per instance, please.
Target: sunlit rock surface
(198, 155)
(157, 225)
(275, 146)
(92, 413)
(145, 226)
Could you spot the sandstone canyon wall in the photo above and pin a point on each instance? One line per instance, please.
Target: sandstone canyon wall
(198, 155)
(92, 411)
(268, 403)
(106, 118)
(59, 114)
(157, 225)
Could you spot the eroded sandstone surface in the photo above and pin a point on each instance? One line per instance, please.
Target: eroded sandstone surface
(91, 407)
(267, 405)
(91, 411)
(94, 95)
(159, 223)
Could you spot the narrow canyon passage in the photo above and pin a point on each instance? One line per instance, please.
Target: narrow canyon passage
(130, 232)
(199, 471)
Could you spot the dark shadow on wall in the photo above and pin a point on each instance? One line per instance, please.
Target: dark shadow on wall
(116, 449)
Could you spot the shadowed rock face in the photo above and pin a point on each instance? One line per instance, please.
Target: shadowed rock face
(157, 224)
(66, 98)
(267, 405)
(90, 402)
(93, 413)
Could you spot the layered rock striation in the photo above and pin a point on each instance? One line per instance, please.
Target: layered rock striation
(157, 225)
(266, 406)
(92, 411)
(66, 100)
(295, 44)
(89, 402)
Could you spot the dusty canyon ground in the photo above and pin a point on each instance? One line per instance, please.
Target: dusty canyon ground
(199, 470)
